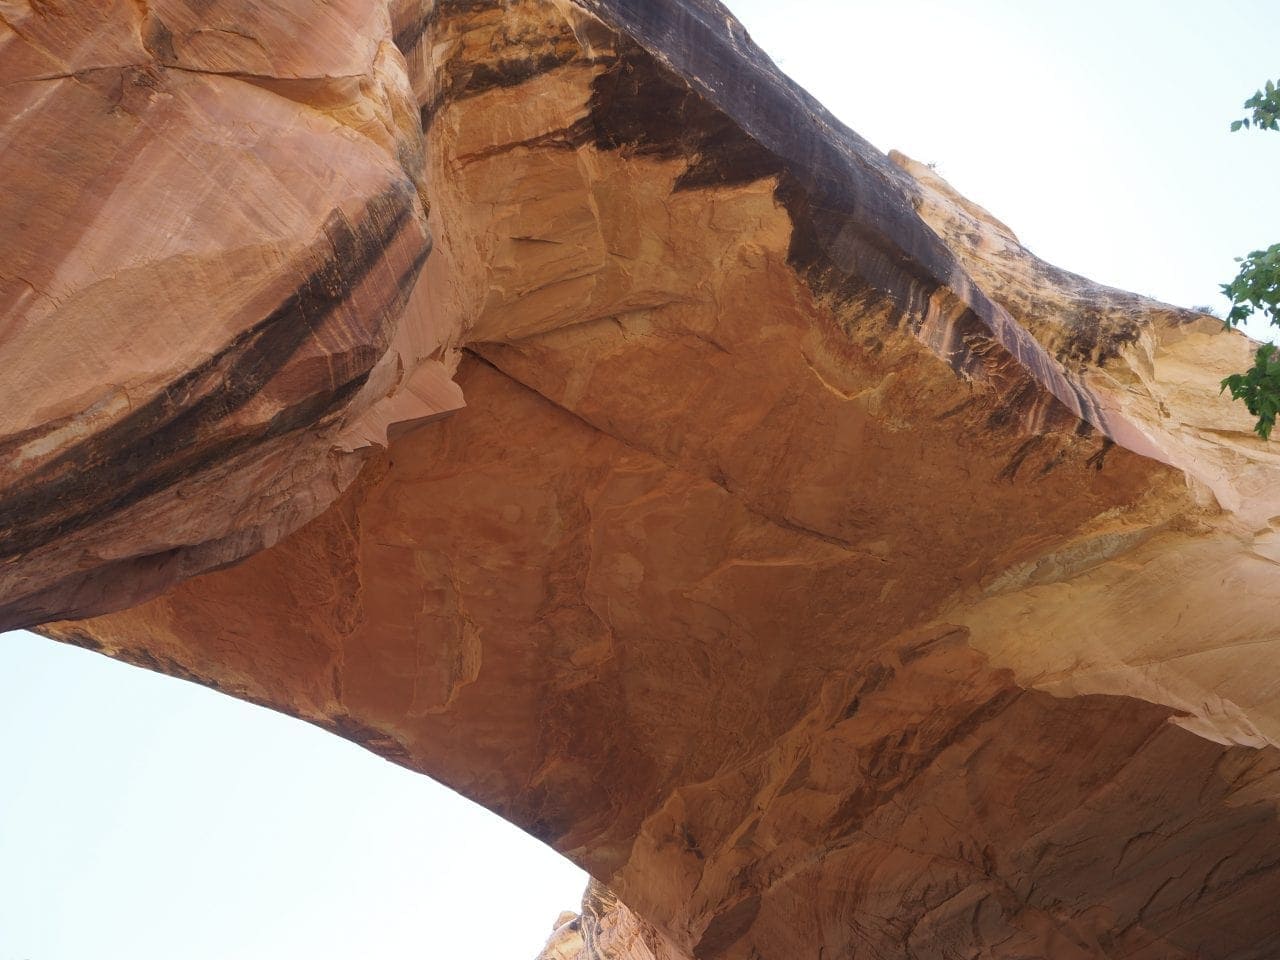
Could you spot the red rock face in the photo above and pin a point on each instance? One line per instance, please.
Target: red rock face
(213, 234)
(812, 564)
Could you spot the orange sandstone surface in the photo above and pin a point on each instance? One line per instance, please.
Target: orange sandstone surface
(820, 570)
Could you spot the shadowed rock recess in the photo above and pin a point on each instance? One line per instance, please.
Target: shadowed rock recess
(823, 572)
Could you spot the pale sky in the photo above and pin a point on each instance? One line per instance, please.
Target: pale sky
(142, 818)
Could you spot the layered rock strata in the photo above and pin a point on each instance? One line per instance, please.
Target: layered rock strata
(811, 563)
(214, 227)
(605, 929)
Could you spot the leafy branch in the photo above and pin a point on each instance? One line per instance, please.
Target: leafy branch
(1256, 289)
(1259, 388)
(1265, 104)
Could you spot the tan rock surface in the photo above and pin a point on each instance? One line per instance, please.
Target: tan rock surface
(212, 235)
(605, 930)
(811, 563)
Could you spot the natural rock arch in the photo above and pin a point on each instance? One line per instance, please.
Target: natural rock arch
(811, 563)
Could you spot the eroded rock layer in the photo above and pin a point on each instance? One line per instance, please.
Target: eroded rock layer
(605, 930)
(815, 566)
(213, 227)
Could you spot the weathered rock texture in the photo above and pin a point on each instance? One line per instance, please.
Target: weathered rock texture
(214, 227)
(822, 571)
(605, 928)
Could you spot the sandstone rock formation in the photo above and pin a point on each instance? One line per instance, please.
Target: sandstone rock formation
(819, 569)
(605, 928)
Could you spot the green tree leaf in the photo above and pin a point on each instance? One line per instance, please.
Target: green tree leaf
(1256, 290)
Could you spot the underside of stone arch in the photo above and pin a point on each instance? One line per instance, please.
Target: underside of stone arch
(554, 398)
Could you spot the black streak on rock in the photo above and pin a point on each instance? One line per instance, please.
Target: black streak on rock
(638, 106)
(1010, 469)
(180, 431)
(856, 229)
(727, 928)
(1100, 458)
(512, 61)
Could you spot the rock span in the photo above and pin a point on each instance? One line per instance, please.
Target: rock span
(811, 563)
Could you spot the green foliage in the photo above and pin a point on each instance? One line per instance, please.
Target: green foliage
(1265, 104)
(1259, 388)
(1256, 289)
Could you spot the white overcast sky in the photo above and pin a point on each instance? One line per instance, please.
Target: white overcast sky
(142, 818)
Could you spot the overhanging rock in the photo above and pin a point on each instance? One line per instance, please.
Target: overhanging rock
(811, 563)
